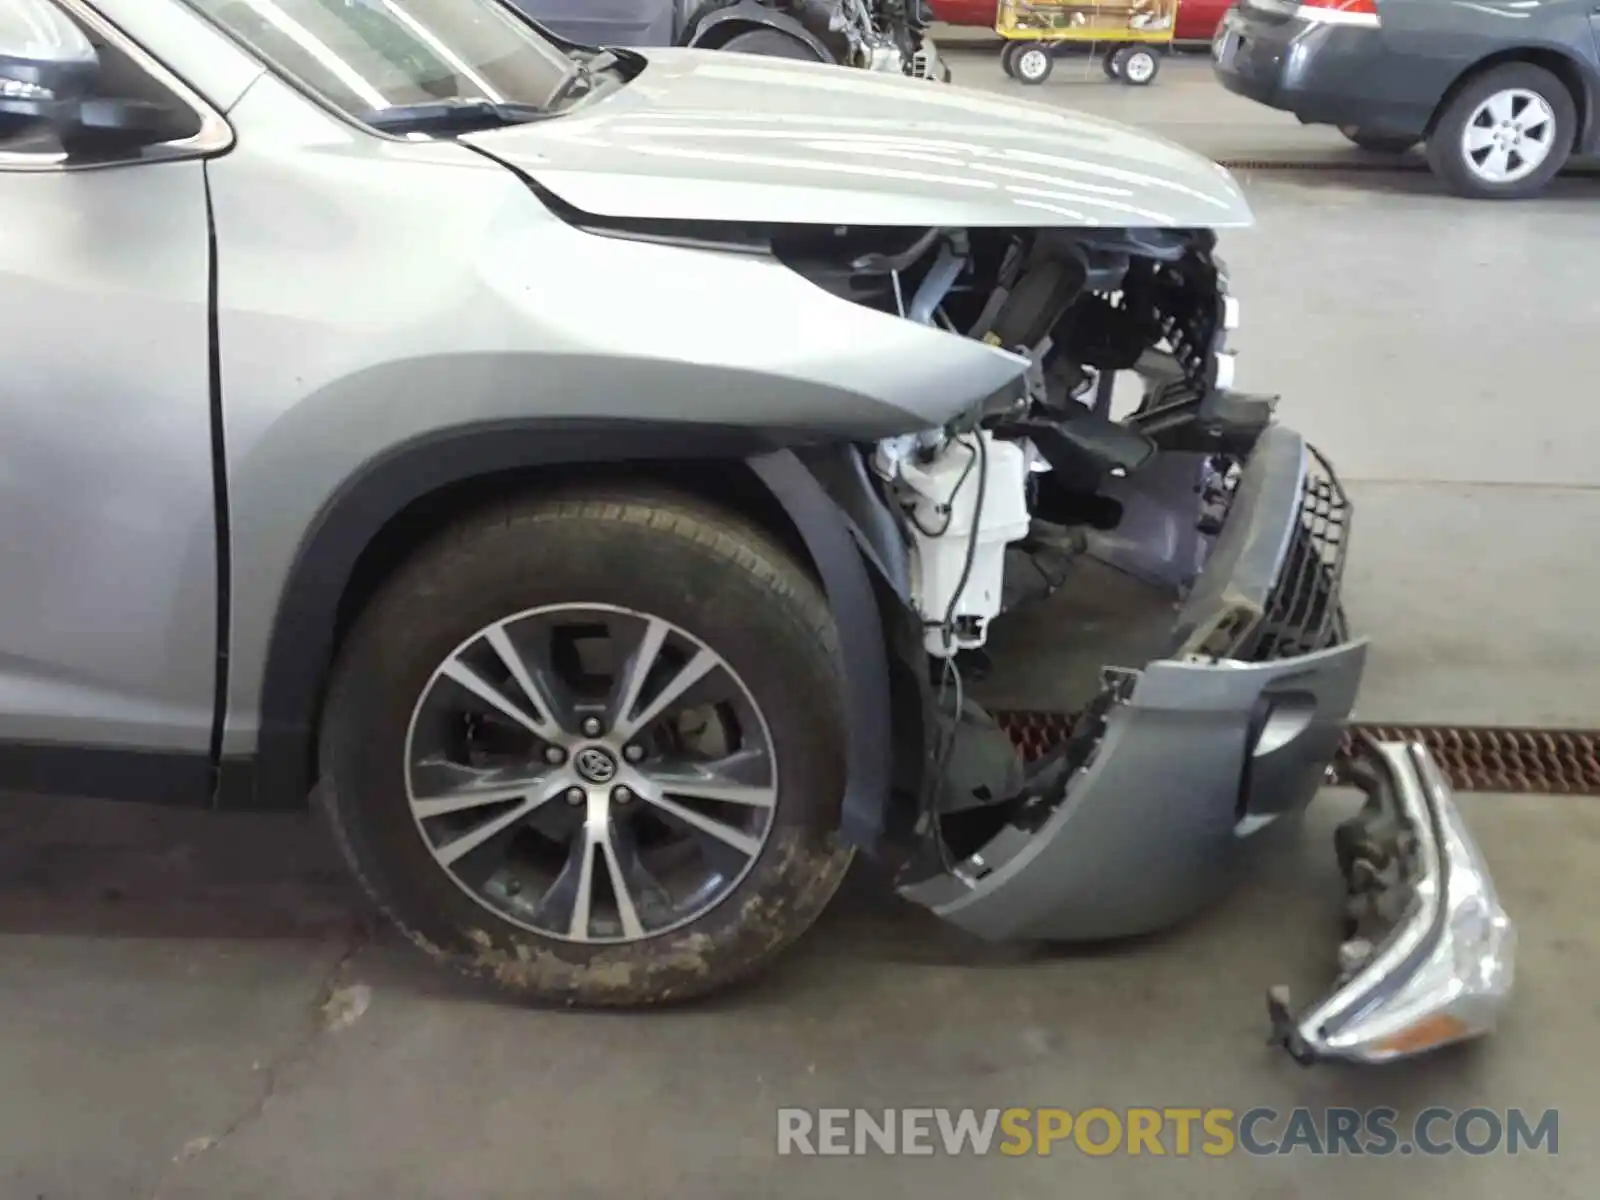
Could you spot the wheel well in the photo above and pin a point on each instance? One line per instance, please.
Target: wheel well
(1554, 61)
(728, 484)
(804, 20)
(725, 31)
(722, 32)
(359, 545)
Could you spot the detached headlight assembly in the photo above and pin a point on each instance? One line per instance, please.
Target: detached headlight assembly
(1446, 970)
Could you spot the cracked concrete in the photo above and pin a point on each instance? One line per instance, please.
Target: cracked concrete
(171, 978)
(132, 1046)
(337, 1003)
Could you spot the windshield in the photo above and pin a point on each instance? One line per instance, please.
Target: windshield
(385, 62)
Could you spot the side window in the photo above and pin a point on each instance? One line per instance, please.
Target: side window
(108, 107)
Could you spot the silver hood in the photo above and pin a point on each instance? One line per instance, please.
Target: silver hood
(707, 135)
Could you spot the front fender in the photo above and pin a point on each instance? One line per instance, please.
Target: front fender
(861, 641)
(467, 306)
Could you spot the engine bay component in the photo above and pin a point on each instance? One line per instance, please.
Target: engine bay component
(965, 503)
(883, 35)
(876, 35)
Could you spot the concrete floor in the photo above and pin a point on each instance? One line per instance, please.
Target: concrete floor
(195, 1008)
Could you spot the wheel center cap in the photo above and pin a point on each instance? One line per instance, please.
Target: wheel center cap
(595, 764)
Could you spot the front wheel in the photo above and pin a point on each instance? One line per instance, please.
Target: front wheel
(770, 43)
(1505, 135)
(1033, 64)
(592, 748)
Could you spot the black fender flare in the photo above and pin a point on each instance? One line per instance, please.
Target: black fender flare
(752, 14)
(301, 645)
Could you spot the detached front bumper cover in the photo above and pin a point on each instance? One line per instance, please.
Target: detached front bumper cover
(1430, 955)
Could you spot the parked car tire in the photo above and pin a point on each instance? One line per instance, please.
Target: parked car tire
(624, 846)
(1137, 66)
(1378, 143)
(1033, 63)
(771, 43)
(1505, 135)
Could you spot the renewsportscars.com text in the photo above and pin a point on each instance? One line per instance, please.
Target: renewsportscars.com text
(1166, 1132)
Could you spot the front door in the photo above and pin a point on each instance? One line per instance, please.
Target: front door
(108, 530)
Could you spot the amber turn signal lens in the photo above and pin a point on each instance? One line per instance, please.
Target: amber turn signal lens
(1424, 1035)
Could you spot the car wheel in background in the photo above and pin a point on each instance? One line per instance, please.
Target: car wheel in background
(1378, 143)
(1110, 64)
(769, 43)
(591, 747)
(1033, 64)
(1137, 65)
(1008, 57)
(1505, 135)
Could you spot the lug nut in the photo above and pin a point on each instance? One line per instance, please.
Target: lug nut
(592, 726)
(576, 795)
(622, 795)
(633, 753)
(555, 755)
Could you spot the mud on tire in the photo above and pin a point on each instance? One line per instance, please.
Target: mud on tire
(667, 561)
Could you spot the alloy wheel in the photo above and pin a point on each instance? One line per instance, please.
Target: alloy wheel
(590, 773)
(1509, 136)
(1033, 63)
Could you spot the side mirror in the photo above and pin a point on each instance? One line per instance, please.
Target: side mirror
(47, 64)
(50, 81)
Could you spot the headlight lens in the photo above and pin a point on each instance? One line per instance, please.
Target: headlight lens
(1459, 988)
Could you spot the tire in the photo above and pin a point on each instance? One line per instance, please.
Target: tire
(1110, 65)
(1032, 64)
(1378, 143)
(1514, 89)
(713, 580)
(1137, 66)
(769, 43)
(1008, 58)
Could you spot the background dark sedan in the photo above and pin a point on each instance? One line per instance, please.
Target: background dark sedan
(1501, 92)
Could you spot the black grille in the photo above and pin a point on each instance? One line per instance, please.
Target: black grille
(1303, 613)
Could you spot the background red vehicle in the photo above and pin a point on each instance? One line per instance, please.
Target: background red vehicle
(1197, 19)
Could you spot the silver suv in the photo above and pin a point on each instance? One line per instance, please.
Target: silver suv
(624, 485)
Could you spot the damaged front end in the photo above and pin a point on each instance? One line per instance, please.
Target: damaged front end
(1112, 530)
(1164, 560)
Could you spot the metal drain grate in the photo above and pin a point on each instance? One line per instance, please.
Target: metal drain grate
(1406, 165)
(1498, 759)
(1352, 165)
(1035, 734)
(1473, 758)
